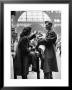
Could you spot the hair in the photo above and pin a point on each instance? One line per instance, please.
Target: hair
(13, 13)
(26, 31)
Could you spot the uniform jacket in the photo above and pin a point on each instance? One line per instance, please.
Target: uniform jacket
(49, 62)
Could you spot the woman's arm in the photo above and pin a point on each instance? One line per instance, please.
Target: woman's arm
(32, 36)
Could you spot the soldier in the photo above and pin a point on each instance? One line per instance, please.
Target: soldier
(49, 61)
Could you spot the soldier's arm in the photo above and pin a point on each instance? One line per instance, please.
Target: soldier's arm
(52, 37)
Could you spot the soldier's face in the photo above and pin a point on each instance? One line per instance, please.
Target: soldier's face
(48, 27)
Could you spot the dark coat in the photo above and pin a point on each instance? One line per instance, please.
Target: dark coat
(22, 59)
(49, 62)
(21, 62)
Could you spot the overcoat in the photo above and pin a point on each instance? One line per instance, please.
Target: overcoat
(23, 58)
(49, 62)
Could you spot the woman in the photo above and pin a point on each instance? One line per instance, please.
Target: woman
(23, 58)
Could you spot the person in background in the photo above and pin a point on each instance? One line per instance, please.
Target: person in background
(48, 60)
